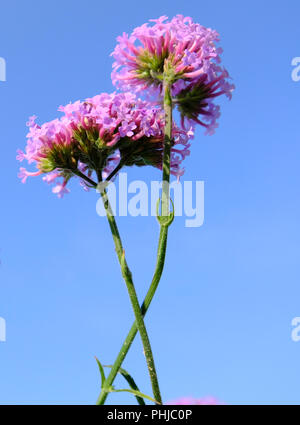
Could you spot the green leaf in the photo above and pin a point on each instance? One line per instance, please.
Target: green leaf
(131, 383)
(136, 393)
(101, 372)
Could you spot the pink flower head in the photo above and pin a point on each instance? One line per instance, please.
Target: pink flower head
(96, 135)
(195, 401)
(181, 50)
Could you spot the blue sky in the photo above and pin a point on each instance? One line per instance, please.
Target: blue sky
(220, 324)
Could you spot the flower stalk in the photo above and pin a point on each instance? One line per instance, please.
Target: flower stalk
(167, 148)
(162, 245)
(126, 273)
(161, 254)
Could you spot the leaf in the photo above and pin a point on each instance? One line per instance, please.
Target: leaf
(136, 393)
(131, 383)
(101, 372)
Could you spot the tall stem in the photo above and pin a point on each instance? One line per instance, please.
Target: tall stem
(144, 307)
(161, 251)
(133, 298)
(167, 148)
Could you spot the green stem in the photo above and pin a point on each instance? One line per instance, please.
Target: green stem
(133, 298)
(84, 177)
(167, 149)
(119, 166)
(134, 328)
(161, 251)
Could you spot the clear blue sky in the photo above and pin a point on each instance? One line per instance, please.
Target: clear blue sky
(221, 321)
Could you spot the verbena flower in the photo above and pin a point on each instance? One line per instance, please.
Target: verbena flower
(98, 135)
(181, 51)
(195, 401)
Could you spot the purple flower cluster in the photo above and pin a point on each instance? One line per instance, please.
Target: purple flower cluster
(110, 131)
(195, 401)
(183, 51)
(94, 136)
